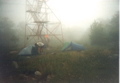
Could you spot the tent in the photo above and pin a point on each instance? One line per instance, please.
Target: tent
(70, 46)
(29, 50)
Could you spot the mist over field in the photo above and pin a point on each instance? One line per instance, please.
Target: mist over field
(91, 24)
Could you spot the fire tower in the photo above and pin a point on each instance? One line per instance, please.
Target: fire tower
(41, 23)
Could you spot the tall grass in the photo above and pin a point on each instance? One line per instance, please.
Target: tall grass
(90, 66)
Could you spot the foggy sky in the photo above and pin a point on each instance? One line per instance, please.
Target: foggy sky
(15, 10)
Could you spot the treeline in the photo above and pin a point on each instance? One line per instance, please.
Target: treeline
(11, 35)
(102, 34)
(106, 34)
(8, 38)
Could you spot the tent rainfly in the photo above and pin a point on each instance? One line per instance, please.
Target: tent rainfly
(70, 46)
(29, 50)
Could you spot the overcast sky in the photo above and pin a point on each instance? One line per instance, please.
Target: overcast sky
(74, 14)
(68, 11)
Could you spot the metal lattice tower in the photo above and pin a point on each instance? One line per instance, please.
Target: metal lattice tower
(41, 23)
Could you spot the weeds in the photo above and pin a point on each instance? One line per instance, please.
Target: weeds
(90, 66)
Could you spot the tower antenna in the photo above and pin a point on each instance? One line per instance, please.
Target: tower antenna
(41, 23)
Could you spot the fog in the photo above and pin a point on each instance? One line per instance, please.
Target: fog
(76, 16)
(91, 36)
(73, 11)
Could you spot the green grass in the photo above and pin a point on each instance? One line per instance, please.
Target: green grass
(90, 66)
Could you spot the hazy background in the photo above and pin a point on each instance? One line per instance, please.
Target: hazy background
(76, 15)
(91, 23)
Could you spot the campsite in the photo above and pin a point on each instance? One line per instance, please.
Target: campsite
(95, 65)
(59, 41)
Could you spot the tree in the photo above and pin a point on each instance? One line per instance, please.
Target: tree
(8, 37)
(98, 35)
(106, 33)
(114, 32)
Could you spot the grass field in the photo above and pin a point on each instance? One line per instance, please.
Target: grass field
(90, 66)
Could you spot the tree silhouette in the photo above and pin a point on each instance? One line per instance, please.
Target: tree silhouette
(8, 37)
(106, 33)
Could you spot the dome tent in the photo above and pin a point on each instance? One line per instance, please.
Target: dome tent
(32, 49)
(29, 50)
(70, 46)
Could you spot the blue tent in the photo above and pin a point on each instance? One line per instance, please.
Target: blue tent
(29, 50)
(72, 47)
